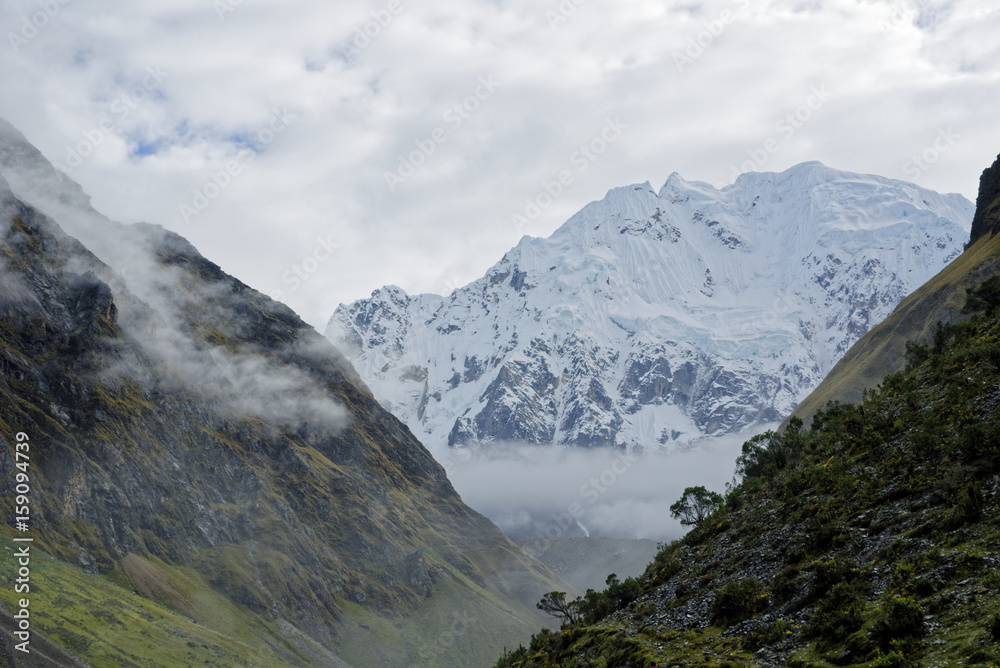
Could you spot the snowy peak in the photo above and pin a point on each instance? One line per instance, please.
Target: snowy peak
(653, 318)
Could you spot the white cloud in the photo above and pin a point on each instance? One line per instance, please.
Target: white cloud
(542, 491)
(898, 72)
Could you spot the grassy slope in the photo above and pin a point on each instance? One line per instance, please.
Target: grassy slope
(153, 614)
(881, 351)
(871, 539)
(461, 623)
(107, 625)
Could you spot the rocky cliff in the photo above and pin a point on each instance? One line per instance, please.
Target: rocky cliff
(184, 427)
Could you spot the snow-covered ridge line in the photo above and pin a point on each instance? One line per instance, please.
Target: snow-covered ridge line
(654, 318)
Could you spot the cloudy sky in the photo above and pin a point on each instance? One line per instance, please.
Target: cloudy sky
(396, 141)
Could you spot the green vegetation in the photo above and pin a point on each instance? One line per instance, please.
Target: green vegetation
(695, 505)
(105, 624)
(737, 601)
(597, 605)
(882, 350)
(871, 538)
(555, 604)
(611, 646)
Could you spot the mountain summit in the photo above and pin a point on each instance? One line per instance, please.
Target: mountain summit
(869, 538)
(654, 318)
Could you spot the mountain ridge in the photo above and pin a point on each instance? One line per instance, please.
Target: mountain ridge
(195, 438)
(940, 299)
(868, 538)
(654, 318)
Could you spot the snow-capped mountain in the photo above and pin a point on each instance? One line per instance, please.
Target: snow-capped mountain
(653, 318)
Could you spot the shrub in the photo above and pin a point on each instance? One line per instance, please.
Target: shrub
(662, 569)
(892, 660)
(969, 503)
(940, 338)
(829, 572)
(766, 454)
(984, 297)
(901, 618)
(994, 627)
(841, 592)
(840, 613)
(735, 497)
(768, 635)
(596, 605)
(785, 585)
(738, 600)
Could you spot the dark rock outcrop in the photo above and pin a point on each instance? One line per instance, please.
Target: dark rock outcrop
(987, 218)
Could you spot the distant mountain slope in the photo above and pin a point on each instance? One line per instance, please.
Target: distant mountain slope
(188, 433)
(870, 539)
(654, 318)
(882, 351)
(587, 562)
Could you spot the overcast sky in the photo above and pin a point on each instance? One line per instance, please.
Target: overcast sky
(393, 141)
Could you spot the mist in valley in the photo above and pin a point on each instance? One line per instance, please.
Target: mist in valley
(544, 491)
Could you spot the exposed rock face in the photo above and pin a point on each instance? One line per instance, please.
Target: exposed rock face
(176, 413)
(834, 533)
(987, 218)
(883, 350)
(654, 318)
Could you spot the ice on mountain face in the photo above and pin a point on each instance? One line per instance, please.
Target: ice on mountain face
(651, 319)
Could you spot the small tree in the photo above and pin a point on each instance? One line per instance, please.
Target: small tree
(983, 297)
(555, 604)
(695, 505)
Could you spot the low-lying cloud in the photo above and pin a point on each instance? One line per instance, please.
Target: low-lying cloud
(194, 329)
(534, 491)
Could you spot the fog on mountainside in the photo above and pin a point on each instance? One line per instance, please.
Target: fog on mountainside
(220, 464)
(542, 491)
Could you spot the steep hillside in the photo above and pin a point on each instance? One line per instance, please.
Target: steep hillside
(870, 538)
(941, 298)
(196, 442)
(655, 318)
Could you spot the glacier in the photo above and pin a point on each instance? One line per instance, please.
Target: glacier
(652, 319)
